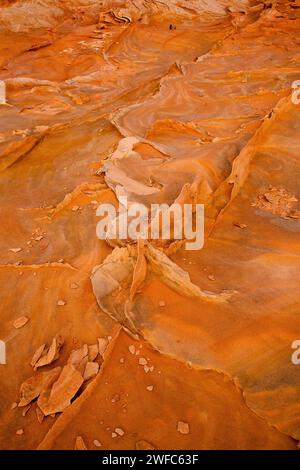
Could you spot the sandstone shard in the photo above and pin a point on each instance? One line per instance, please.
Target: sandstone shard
(62, 391)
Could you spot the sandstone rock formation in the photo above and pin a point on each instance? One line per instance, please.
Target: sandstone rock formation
(113, 344)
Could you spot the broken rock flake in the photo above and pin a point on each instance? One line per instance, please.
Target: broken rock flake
(35, 385)
(62, 391)
(47, 356)
(91, 370)
(80, 444)
(20, 322)
(183, 428)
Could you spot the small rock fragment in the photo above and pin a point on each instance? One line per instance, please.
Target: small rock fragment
(49, 355)
(15, 250)
(142, 361)
(21, 321)
(237, 224)
(73, 285)
(91, 370)
(37, 355)
(162, 303)
(102, 345)
(150, 388)
(19, 432)
(80, 444)
(131, 349)
(183, 427)
(144, 445)
(97, 443)
(93, 352)
(82, 365)
(14, 405)
(77, 355)
(62, 391)
(61, 302)
(75, 208)
(119, 431)
(35, 385)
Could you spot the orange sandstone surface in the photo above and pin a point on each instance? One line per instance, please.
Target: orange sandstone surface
(112, 344)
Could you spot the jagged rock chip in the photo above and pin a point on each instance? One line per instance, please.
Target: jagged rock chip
(82, 365)
(91, 370)
(120, 431)
(102, 345)
(20, 322)
(50, 355)
(37, 355)
(97, 443)
(15, 250)
(35, 385)
(77, 355)
(144, 445)
(93, 352)
(80, 444)
(183, 427)
(62, 391)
